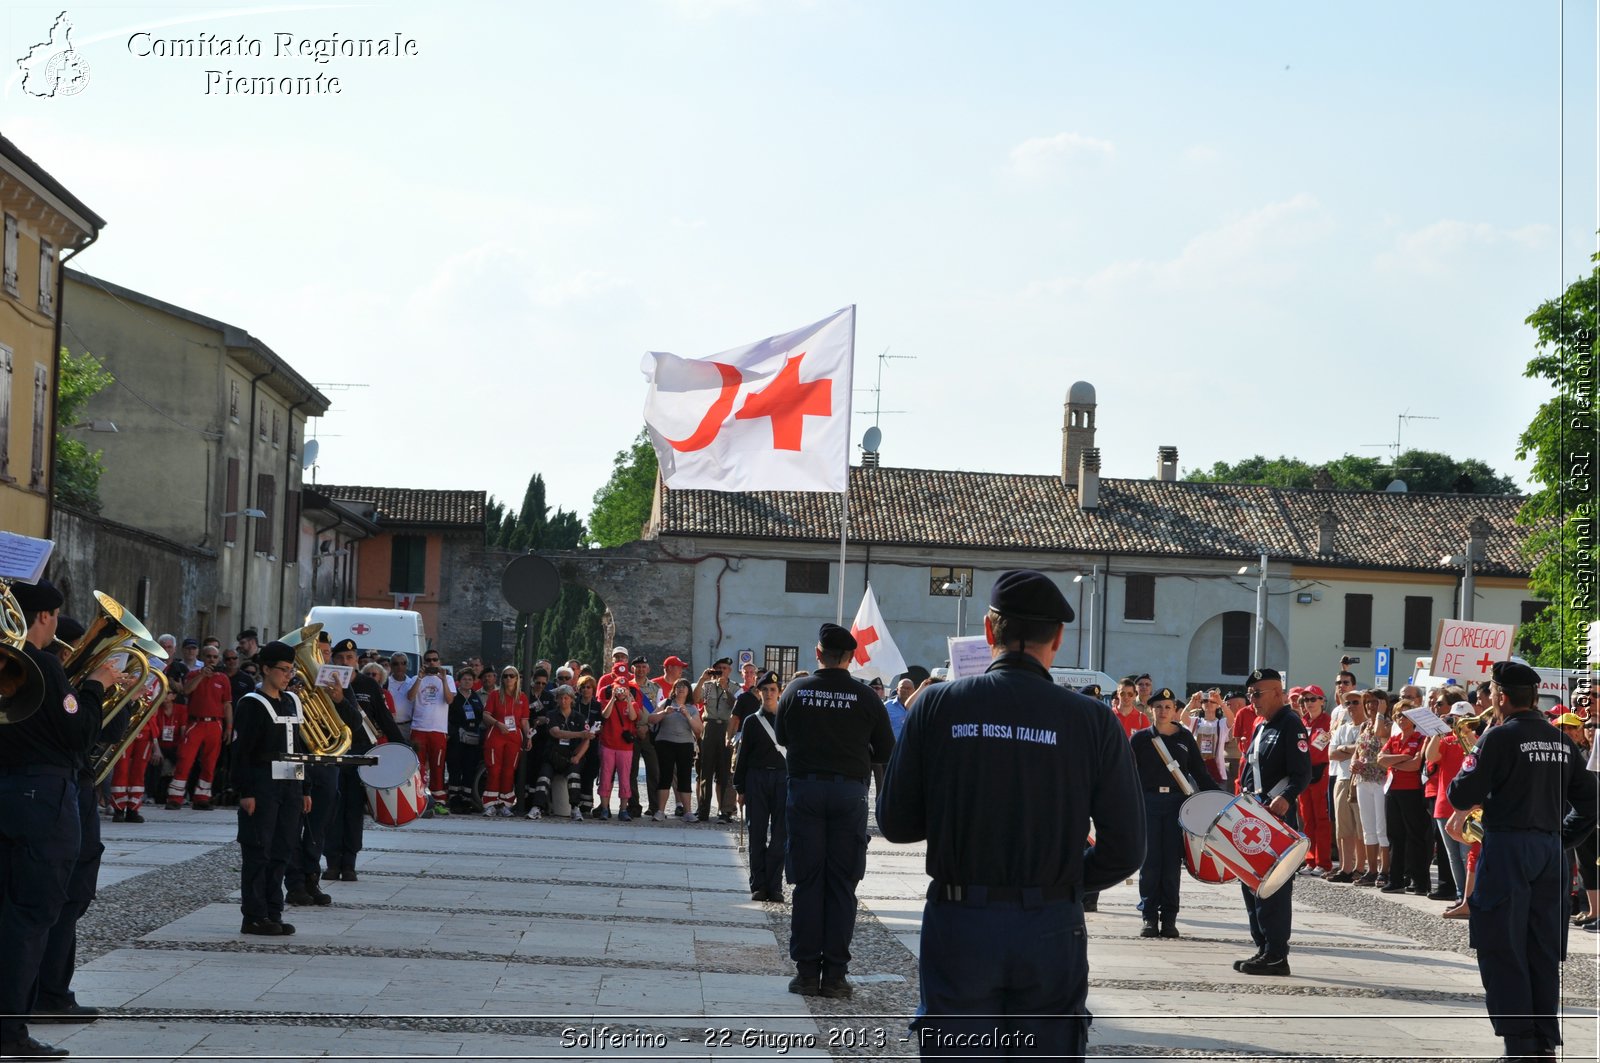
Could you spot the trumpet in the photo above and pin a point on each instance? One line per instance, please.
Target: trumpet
(1472, 829)
(1468, 728)
(21, 681)
(324, 732)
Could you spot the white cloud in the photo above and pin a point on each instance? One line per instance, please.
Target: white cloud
(1039, 157)
(1440, 248)
(1262, 247)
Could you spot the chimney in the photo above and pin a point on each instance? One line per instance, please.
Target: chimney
(1322, 479)
(1327, 525)
(1167, 464)
(1089, 480)
(1077, 430)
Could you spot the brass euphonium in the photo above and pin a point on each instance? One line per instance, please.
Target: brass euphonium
(324, 732)
(151, 695)
(21, 681)
(115, 633)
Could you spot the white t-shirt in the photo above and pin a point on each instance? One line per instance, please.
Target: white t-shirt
(1343, 735)
(400, 691)
(431, 708)
(1212, 738)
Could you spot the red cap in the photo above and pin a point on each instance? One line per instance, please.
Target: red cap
(622, 671)
(1295, 692)
(674, 660)
(1314, 692)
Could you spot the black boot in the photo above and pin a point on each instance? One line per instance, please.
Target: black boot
(1150, 929)
(314, 888)
(299, 894)
(1169, 926)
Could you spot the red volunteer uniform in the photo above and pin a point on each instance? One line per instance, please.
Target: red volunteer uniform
(1314, 799)
(502, 750)
(202, 739)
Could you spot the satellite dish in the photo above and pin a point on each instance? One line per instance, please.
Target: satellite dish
(308, 455)
(1397, 487)
(872, 439)
(530, 583)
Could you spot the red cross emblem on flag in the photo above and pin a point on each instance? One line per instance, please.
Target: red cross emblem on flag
(864, 637)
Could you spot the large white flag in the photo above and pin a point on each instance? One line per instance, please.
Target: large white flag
(771, 416)
(876, 653)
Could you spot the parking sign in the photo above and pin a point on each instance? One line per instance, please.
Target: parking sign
(1381, 657)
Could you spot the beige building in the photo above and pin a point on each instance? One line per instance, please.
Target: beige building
(44, 226)
(211, 429)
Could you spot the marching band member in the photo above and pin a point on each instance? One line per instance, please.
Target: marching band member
(42, 813)
(366, 699)
(269, 807)
(1163, 796)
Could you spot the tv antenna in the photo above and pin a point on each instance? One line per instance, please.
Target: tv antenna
(1400, 424)
(877, 390)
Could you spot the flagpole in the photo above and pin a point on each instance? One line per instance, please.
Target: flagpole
(844, 498)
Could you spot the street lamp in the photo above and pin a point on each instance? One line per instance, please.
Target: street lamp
(1261, 608)
(257, 514)
(962, 586)
(1468, 590)
(1094, 597)
(93, 426)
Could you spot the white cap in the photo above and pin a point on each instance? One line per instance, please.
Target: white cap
(940, 673)
(620, 650)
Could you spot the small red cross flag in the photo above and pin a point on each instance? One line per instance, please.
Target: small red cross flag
(770, 416)
(876, 654)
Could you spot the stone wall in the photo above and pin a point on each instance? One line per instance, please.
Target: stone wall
(649, 594)
(93, 553)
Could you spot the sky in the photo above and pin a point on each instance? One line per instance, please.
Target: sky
(1253, 227)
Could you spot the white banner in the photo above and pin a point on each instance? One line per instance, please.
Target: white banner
(1465, 650)
(770, 416)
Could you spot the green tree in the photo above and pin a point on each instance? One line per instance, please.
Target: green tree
(78, 469)
(1562, 440)
(1423, 470)
(622, 506)
(571, 626)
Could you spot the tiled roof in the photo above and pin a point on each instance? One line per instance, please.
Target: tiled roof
(997, 511)
(409, 505)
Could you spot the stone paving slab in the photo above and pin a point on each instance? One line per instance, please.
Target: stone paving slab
(535, 897)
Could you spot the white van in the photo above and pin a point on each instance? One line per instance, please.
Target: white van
(1553, 686)
(1078, 678)
(386, 630)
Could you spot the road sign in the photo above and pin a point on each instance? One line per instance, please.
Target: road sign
(746, 657)
(1381, 658)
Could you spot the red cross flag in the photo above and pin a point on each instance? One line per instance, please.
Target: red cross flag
(876, 653)
(771, 416)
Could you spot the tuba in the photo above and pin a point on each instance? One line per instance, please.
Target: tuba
(114, 633)
(21, 681)
(324, 732)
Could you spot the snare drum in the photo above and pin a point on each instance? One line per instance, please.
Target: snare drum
(1260, 848)
(395, 795)
(1196, 817)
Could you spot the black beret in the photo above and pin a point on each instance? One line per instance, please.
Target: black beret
(1164, 694)
(875, 681)
(1229, 695)
(248, 633)
(1261, 675)
(768, 677)
(1029, 595)
(1512, 674)
(344, 646)
(323, 636)
(275, 653)
(836, 638)
(68, 629)
(722, 660)
(1092, 690)
(41, 597)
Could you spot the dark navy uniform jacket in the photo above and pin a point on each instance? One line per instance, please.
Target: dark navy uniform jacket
(1002, 773)
(63, 728)
(364, 697)
(833, 725)
(756, 750)
(1528, 776)
(259, 739)
(1153, 771)
(1283, 749)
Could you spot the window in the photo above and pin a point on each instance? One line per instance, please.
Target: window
(141, 597)
(1139, 599)
(261, 419)
(1525, 644)
(277, 430)
(291, 527)
(266, 497)
(1418, 632)
(11, 255)
(805, 577)
(408, 556)
(41, 404)
(47, 271)
(1358, 620)
(784, 660)
(939, 575)
(5, 412)
(233, 400)
(230, 525)
(1236, 631)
